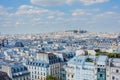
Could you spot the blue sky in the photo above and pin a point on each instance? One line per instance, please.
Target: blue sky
(37, 16)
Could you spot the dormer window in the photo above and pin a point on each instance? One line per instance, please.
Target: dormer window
(117, 71)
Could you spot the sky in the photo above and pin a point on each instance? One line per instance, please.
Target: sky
(41, 16)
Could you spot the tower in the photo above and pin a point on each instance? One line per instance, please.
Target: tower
(78, 30)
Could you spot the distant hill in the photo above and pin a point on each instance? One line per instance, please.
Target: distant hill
(76, 31)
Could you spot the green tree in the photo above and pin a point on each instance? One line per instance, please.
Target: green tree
(50, 77)
(89, 60)
(111, 55)
(98, 53)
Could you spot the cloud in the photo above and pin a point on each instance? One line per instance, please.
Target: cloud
(50, 17)
(27, 15)
(80, 12)
(1, 7)
(34, 18)
(68, 2)
(108, 14)
(31, 10)
(48, 2)
(3, 12)
(96, 10)
(28, 10)
(115, 7)
(107, 21)
(90, 2)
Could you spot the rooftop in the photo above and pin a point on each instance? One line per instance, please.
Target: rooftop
(38, 63)
(4, 76)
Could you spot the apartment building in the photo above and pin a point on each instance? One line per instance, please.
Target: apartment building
(114, 69)
(80, 68)
(16, 71)
(44, 65)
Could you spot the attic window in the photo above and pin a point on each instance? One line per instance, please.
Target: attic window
(117, 71)
(89, 60)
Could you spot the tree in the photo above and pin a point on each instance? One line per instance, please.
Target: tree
(111, 55)
(50, 77)
(98, 53)
(89, 60)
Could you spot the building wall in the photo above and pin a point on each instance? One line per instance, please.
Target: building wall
(38, 73)
(55, 70)
(7, 69)
(69, 73)
(26, 77)
(114, 73)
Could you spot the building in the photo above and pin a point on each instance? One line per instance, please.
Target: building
(16, 71)
(4, 76)
(114, 69)
(101, 67)
(62, 74)
(5, 42)
(38, 69)
(44, 65)
(80, 68)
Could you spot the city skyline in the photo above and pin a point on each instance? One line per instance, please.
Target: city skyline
(37, 16)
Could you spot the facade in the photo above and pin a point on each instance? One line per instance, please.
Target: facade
(114, 69)
(4, 76)
(38, 69)
(44, 65)
(101, 66)
(16, 71)
(92, 68)
(80, 68)
(62, 74)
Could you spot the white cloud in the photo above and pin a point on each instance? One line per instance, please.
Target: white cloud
(90, 2)
(50, 17)
(33, 16)
(108, 15)
(1, 7)
(48, 2)
(28, 15)
(62, 2)
(96, 10)
(80, 12)
(25, 9)
(36, 11)
(106, 18)
(69, 1)
(115, 7)
(3, 12)
(19, 23)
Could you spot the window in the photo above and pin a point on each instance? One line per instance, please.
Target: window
(113, 77)
(32, 76)
(35, 77)
(98, 70)
(117, 79)
(72, 76)
(68, 75)
(117, 71)
(100, 75)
